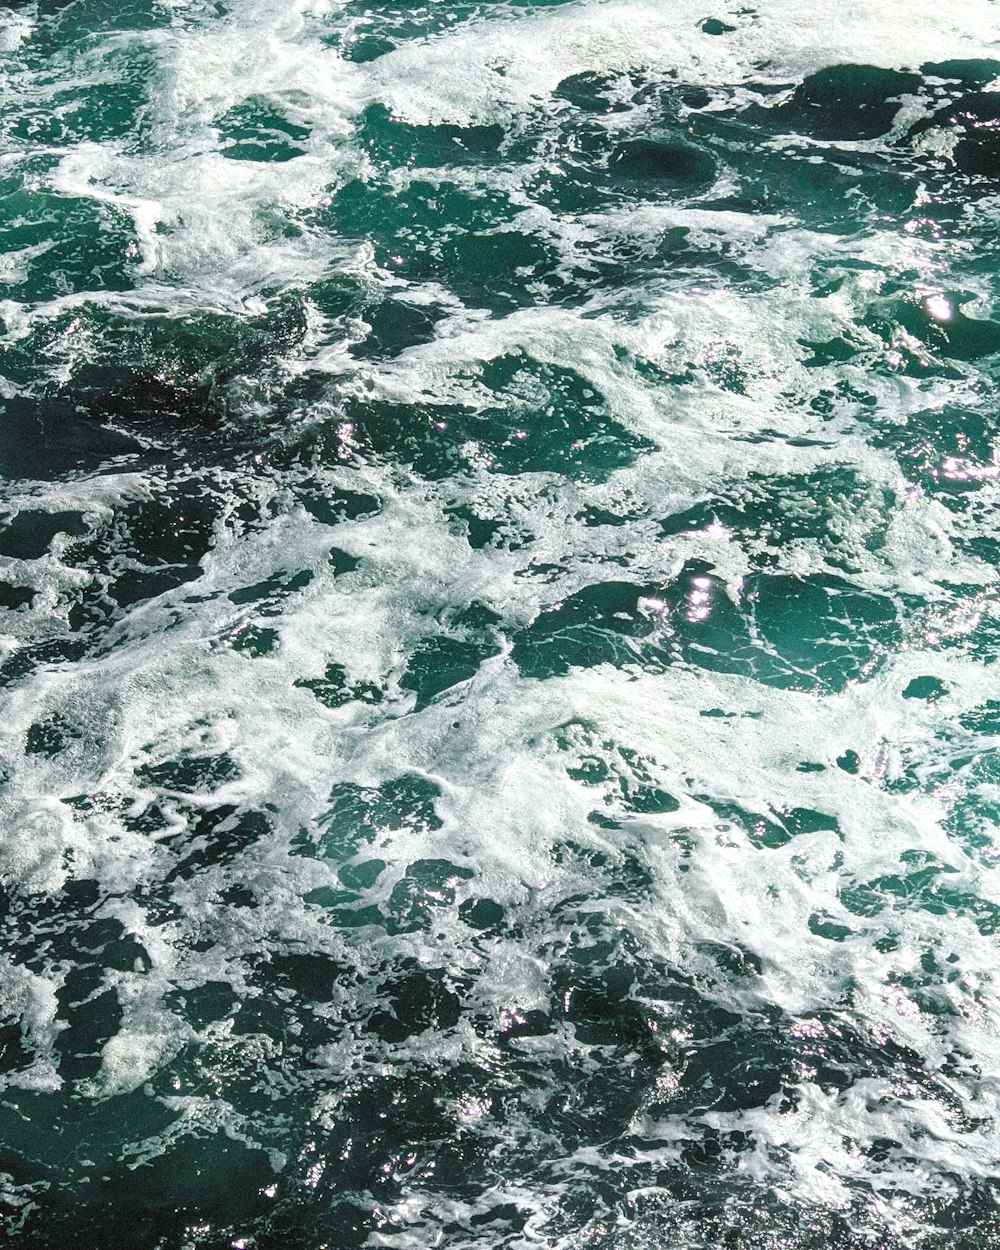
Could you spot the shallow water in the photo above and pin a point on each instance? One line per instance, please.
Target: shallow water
(498, 616)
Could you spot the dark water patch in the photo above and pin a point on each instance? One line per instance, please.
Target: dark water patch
(258, 130)
(158, 390)
(335, 689)
(415, 1003)
(948, 451)
(64, 21)
(190, 775)
(214, 837)
(391, 141)
(13, 597)
(72, 244)
(929, 689)
(363, 48)
(847, 102)
(777, 828)
(50, 736)
(268, 594)
(806, 633)
(774, 174)
(530, 417)
(46, 440)
(834, 632)
(595, 93)
(595, 626)
(492, 258)
(204, 1182)
(970, 73)
(394, 326)
(924, 332)
(972, 123)
(205, 1004)
(105, 115)
(28, 535)
(925, 887)
(773, 511)
(25, 660)
(663, 164)
(715, 26)
(332, 504)
(253, 641)
(171, 371)
(487, 262)
(598, 170)
(145, 549)
(357, 815)
(442, 663)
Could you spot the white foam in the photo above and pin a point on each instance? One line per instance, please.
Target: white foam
(492, 70)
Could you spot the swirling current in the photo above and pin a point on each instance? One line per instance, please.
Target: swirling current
(499, 612)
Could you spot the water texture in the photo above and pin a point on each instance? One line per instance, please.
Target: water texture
(499, 616)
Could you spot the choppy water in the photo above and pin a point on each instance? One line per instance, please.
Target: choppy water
(499, 620)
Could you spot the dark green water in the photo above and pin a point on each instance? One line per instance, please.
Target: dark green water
(499, 614)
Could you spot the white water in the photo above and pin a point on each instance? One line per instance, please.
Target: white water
(211, 235)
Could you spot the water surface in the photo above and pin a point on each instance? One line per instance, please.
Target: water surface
(498, 622)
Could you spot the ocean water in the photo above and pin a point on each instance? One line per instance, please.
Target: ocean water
(499, 613)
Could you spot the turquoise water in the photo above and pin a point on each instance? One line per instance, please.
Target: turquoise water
(499, 615)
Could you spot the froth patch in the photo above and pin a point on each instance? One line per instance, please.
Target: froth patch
(472, 75)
